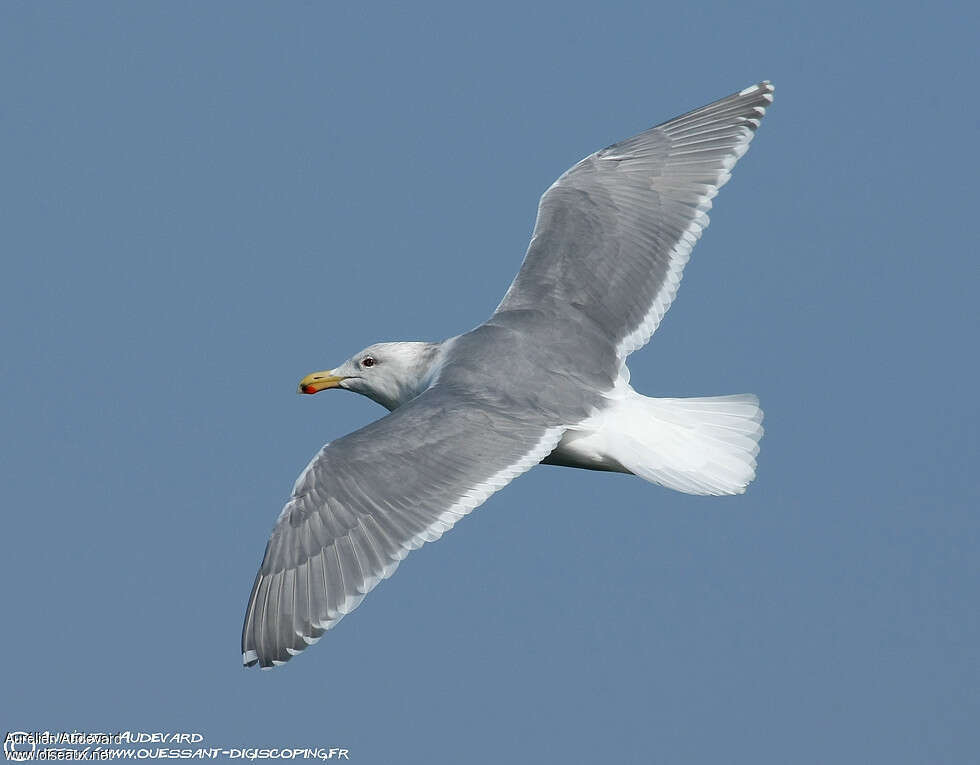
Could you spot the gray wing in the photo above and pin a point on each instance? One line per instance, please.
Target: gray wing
(614, 232)
(369, 498)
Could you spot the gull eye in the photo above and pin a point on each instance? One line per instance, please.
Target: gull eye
(368, 361)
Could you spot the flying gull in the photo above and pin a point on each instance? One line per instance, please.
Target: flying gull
(543, 380)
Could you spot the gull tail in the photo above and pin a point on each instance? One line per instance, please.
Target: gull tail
(695, 445)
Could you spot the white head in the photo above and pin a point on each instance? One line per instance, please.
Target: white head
(389, 373)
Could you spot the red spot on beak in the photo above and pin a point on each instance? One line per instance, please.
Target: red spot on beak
(309, 389)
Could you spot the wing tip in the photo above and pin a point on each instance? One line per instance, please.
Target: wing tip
(765, 86)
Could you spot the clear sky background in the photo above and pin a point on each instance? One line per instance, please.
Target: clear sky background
(202, 202)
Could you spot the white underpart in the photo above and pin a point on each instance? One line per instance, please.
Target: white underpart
(695, 445)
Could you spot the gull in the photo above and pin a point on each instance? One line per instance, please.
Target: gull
(543, 380)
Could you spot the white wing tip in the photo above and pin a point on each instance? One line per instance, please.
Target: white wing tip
(765, 86)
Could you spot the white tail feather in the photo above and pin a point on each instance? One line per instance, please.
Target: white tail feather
(694, 445)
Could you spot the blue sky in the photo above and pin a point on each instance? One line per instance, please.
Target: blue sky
(204, 202)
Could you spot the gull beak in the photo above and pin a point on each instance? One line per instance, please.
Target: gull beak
(318, 381)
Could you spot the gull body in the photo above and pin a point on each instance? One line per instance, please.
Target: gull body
(543, 380)
(659, 437)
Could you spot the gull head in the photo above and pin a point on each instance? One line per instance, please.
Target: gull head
(388, 373)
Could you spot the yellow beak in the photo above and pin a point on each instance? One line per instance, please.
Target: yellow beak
(318, 381)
